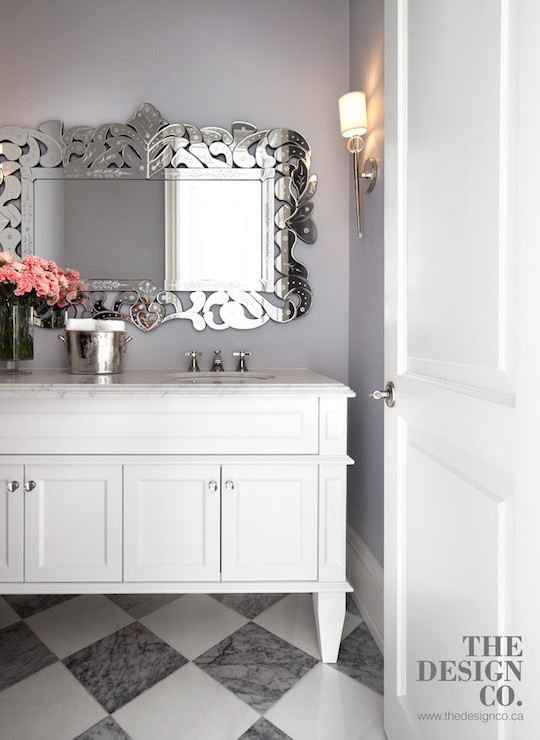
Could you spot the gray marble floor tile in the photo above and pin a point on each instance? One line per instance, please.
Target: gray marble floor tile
(256, 665)
(27, 606)
(351, 606)
(119, 667)
(22, 654)
(139, 605)
(7, 614)
(249, 605)
(360, 658)
(107, 729)
(264, 730)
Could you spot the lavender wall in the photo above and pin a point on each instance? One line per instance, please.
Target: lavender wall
(279, 63)
(366, 304)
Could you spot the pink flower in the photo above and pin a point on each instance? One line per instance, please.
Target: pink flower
(37, 278)
(6, 258)
(38, 262)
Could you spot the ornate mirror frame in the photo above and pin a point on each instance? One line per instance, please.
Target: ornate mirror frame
(147, 147)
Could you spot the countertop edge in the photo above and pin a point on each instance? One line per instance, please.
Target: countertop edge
(159, 384)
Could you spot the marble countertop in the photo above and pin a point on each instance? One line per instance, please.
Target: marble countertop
(267, 381)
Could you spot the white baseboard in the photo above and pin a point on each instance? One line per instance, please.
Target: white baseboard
(365, 575)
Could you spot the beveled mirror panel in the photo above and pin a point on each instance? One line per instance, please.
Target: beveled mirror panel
(216, 213)
(220, 230)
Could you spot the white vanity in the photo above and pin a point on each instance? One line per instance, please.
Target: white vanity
(156, 481)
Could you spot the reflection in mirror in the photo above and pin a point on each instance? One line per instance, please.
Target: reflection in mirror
(108, 228)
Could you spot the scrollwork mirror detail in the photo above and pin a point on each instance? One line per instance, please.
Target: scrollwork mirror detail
(147, 147)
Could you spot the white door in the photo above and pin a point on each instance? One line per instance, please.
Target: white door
(269, 522)
(461, 316)
(171, 522)
(73, 521)
(11, 522)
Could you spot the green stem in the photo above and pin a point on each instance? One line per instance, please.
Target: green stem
(16, 331)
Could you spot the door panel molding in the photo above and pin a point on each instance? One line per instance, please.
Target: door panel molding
(484, 394)
(431, 514)
(491, 480)
(493, 379)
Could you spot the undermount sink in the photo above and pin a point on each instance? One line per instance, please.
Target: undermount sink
(210, 378)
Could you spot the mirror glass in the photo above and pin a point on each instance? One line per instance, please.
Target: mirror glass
(106, 228)
(212, 232)
(220, 231)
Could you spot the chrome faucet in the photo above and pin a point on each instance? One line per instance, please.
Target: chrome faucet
(217, 365)
(241, 354)
(193, 366)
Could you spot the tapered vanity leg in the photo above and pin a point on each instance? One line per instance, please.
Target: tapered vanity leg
(329, 608)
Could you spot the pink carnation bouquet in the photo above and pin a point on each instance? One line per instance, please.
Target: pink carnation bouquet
(33, 279)
(28, 284)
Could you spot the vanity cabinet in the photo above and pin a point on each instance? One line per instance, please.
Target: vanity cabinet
(149, 484)
(269, 522)
(61, 522)
(11, 522)
(231, 522)
(172, 522)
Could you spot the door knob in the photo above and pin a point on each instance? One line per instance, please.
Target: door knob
(229, 485)
(12, 486)
(389, 394)
(213, 486)
(30, 486)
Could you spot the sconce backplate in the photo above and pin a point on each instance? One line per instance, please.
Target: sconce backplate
(369, 173)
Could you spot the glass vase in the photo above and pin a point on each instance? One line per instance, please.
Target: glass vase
(16, 334)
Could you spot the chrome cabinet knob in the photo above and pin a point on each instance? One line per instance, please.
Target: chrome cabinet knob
(213, 486)
(11, 487)
(29, 486)
(389, 394)
(229, 485)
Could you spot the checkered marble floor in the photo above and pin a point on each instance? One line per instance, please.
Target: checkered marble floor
(195, 667)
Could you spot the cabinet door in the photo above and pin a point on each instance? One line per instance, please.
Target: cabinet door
(73, 518)
(171, 522)
(269, 522)
(11, 523)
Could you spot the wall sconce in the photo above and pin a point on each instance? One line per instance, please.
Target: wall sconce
(353, 120)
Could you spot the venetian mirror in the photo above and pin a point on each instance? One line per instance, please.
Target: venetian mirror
(164, 221)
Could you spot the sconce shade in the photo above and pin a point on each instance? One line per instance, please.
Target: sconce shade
(352, 114)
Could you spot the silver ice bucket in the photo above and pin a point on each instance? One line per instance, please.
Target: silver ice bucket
(95, 352)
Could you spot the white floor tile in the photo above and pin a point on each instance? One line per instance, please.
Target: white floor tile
(50, 705)
(7, 614)
(193, 623)
(327, 705)
(292, 619)
(188, 704)
(76, 623)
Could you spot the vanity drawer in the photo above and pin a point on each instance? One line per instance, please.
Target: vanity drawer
(162, 425)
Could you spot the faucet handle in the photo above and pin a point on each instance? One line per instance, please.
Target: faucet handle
(194, 367)
(241, 354)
